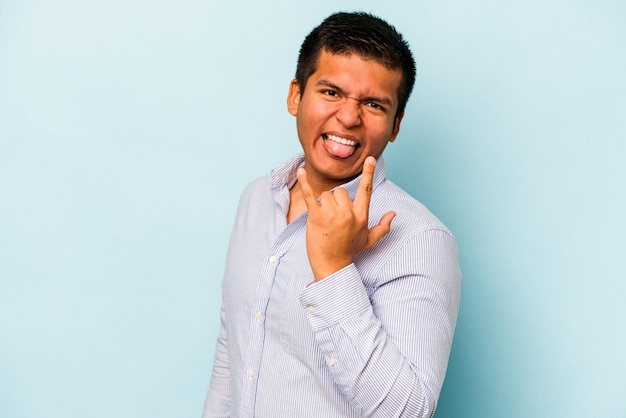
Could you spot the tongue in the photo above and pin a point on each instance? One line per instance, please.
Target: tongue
(339, 150)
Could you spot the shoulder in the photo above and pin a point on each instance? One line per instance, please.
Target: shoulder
(256, 186)
(281, 177)
(412, 217)
(418, 244)
(254, 195)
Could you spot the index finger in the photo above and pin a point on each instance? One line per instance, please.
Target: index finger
(364, 193)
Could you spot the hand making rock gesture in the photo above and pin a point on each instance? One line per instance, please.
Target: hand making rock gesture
(337, 228)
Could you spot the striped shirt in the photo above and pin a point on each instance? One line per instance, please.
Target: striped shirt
(373, 339)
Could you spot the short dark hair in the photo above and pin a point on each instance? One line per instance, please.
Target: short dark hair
(365, 35)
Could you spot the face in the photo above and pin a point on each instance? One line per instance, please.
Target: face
(346, 113)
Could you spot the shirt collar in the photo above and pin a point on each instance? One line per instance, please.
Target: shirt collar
(284, 176)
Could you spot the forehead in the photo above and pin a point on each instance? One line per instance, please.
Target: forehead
(357, 76)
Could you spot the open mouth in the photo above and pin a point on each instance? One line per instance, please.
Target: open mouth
(338, 146)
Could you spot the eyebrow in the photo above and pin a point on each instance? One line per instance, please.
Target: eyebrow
(331, 85)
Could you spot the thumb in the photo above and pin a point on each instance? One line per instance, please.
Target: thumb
(375, 233)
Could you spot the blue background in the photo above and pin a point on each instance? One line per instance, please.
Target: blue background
(129, 128)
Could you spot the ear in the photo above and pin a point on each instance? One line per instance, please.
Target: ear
(293, 98)
(396, 127)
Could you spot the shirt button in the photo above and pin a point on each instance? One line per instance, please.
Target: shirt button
(273, 259)
(250, 373)
(331, 362)
(258, 316)
(311, 309)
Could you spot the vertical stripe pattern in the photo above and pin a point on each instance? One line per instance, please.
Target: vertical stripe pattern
(371, 340)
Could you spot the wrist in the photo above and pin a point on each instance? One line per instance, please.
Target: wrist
(326, 268)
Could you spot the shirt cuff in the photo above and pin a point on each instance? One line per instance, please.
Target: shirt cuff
(335, 298)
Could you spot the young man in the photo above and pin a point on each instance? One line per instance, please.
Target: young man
(341, 291)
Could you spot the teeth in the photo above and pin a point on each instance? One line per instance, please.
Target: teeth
(341, 140)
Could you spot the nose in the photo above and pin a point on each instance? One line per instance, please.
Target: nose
(349, 113)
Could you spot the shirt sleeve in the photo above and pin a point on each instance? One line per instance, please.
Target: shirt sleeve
(387, 348)
(217, 402)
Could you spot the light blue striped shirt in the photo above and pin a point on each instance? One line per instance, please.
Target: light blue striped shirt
(373, 339)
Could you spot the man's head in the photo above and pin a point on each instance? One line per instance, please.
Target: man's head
(364, 35)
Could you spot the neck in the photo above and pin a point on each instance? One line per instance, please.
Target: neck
(297, 206)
